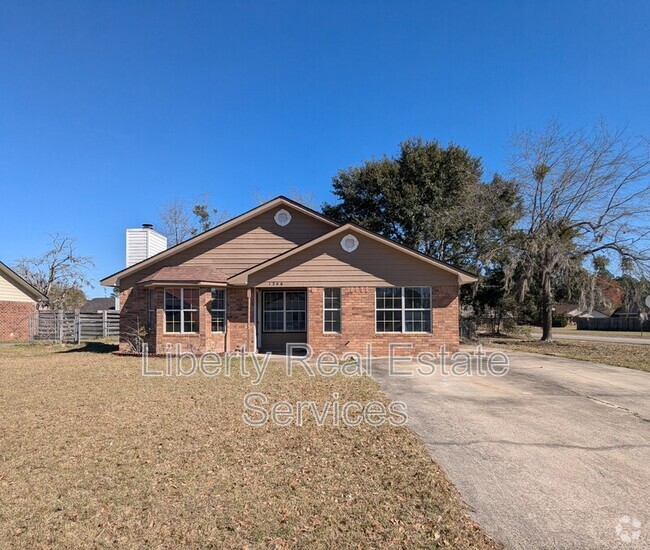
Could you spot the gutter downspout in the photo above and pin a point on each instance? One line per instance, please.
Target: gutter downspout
(248, 319)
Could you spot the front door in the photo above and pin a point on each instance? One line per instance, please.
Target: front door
(282, 319)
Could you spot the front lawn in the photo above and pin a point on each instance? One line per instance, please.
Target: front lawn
(619, 355)
(94, 454)
(572, 329)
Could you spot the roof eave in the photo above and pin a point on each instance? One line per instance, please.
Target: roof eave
(159, 284)
(114, 279)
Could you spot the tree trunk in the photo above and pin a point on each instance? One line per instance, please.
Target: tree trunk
(547, 308)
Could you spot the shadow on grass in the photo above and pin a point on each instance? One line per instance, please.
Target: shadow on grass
(94, 347)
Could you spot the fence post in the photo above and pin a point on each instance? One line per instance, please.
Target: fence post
(104, 324)
(77, 317)
(59, 320)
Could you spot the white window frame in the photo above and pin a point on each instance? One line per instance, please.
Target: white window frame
(224, 309)
(283, 310)
(182, 310)
(404, 309)
(339, 309)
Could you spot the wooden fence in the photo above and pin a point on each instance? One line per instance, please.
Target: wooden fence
(73, 326)
(614, 323)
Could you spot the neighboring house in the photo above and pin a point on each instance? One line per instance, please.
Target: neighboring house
(574, 311)
(18, 303)
(631, 312)
(99, 305)
(282, 273)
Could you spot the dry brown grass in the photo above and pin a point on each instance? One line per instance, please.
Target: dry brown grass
(619, 355)
(94, 454)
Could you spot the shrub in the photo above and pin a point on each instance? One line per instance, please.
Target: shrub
(560, 320)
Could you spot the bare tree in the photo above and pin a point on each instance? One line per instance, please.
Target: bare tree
(59, 273)
(586, 195)
(306, 198)
(179, 222)
(175, 221)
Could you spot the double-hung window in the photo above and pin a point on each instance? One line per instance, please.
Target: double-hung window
(400, 309)
(332, 310)
(182, 310)
(284, 311)
(218, 310)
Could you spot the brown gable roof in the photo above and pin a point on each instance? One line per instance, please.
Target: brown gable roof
(21, 283)
(464, 277)
(186, 274)
(113, 280)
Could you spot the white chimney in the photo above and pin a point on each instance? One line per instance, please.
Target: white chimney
(142, 243)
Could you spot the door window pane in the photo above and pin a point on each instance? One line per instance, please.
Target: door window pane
(284, 311)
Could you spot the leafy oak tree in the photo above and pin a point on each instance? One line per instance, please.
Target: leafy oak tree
(433, 199)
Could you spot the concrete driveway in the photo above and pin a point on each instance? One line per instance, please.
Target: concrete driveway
(555, 454)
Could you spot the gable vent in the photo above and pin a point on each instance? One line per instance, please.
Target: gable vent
(349, 243)
(282, 217)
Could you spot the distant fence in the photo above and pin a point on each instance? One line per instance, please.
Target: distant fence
(73, 326)
(614, 323)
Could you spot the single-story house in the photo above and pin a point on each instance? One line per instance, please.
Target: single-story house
(575, 311)
(633, 311)
(283, 273)
(18, 303)
(99, 305)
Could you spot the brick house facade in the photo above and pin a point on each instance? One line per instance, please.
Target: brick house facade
(18, 303)
(281, 274)
(15, 318)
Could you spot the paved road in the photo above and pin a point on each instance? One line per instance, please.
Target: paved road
(551, 455)
(597, 338)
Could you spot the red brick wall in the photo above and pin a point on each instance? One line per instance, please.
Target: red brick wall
(135, 313)
(241, 333)
(358, 324)
(204, 340)
(14, 320)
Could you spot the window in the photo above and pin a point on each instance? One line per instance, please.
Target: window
(403, 309)
(332, 310)
(417, 309)
(182, 310)
(151, 309)
(218, 310)
(284, 311)
(389, 309)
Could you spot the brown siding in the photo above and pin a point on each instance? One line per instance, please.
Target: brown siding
(245, 245)
(371, 264)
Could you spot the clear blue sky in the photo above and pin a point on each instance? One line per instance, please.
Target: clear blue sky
(110, 109)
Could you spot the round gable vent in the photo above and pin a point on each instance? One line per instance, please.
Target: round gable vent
(349, 243)
(282, 217)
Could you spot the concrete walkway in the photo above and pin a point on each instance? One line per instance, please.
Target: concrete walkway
(555, 454)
